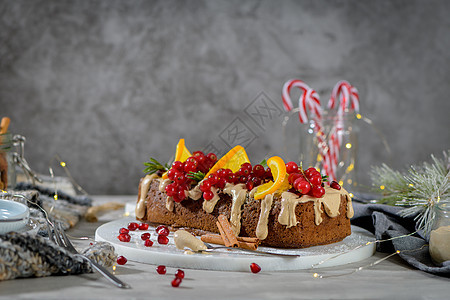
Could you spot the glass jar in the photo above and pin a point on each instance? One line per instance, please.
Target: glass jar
(317, 141)
(7, 165)
(439, 244)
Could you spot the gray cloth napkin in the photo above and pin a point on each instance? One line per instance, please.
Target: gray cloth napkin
(384, 221)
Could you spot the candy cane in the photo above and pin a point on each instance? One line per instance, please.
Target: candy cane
(308, 100)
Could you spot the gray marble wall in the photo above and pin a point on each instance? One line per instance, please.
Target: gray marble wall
(107, 84)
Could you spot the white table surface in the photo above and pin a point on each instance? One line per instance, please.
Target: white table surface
(391, 279)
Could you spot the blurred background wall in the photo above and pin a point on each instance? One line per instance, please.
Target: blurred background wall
(107, 84)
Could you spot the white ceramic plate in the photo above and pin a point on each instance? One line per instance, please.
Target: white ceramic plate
(170, 256)
(13, 216)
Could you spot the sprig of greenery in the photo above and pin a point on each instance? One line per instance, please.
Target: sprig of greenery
(154, 166)
(421, 189)
(263, 163)
(197, 176)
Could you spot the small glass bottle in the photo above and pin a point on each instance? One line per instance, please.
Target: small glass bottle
(7, 165)
(440, 234)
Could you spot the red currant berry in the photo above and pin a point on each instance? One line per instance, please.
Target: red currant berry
(291, 167)
(132, 226)
(143, 226)
(190, 167)
(310, 172)
(172, 173)
(258, 171)
(244, 171)
(208, 195)
(213, 178)
(198, 153)
(180, 179)
(255, 268)
(148, 243)
(335, 185)
(171, 189)
(181, 195)
(163, 240)
(212, 157)
(179, 274)
(221, 183)
(178, 165)
(316, 179)
(121, 260)
(124, 230)
(176, 199)
(246, 166)
(205, 186)
(317, 191)
(161, 269)
(176, 282)
(124, 237)
(145, 236)
(231, 178)
(294, 176)
(268, 174)
(243, 179)
(302, 186)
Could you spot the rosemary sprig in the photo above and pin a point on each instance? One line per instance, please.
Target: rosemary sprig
(154, 166)
(197, 176)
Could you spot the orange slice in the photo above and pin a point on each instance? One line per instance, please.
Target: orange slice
(181, 154)
(232, 160)
(278, 168)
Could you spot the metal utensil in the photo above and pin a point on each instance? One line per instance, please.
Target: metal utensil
(212, 248)
(62, 240)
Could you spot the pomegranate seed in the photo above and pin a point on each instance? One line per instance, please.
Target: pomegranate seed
(124, 237)
(250, 185)
(124, 230)
(91, 243)
(148, 243)
(143, 226)
(163, 240)
(291, 167)
(163, 231)
(179, 274)
(335, 185)
(160, 227)
(145, 236)
(208, 195)
(161, 269)
(121, 260)
(133, 226)
(176, 282)
(255, 268)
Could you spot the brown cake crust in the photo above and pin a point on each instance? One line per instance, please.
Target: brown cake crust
(189, 213)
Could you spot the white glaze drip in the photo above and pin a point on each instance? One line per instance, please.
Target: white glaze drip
(238, 195)
(266, 206)
(141, 203)
(208, 206)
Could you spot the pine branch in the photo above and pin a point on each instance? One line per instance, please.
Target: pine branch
(197, 176)
(154, 166)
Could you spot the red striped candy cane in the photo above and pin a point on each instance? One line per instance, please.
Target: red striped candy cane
(308, 100)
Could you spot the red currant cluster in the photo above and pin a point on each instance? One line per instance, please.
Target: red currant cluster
(251, 176)
(179, 171)
(307, 182)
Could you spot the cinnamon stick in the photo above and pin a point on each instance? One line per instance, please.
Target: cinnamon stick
(244, 239)
(228, 236)
(217, 239)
